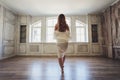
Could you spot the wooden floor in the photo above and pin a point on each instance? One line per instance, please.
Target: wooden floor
(47, 68)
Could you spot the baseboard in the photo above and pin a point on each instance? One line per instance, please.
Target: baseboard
(55, 55)
(7, 57)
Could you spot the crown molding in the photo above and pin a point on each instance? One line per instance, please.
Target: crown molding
(5, 6)
(114, 2)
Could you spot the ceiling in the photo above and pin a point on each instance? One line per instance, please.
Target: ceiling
(55, 7)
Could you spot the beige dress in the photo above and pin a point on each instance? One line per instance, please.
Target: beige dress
(62, 42)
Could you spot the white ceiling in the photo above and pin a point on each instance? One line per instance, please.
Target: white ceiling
(55, 7)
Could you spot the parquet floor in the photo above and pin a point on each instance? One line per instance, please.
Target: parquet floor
(47, 68)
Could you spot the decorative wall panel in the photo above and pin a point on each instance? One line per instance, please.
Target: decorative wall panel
(22, 48)
(111, 29)
(9, 31)
(70, 49)
(82, 48)
(50, 48)
(96, 49)
(34, 48)
(8, 50)
(116, 52)
(8, 42)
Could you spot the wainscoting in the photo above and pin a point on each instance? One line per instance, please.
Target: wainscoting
(50, 49)
(116, 52)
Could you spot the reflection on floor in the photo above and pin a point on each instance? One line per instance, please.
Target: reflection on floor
(43, 68)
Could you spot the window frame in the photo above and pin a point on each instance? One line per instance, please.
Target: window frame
(84, 26)
(54, 41)
(31, 32)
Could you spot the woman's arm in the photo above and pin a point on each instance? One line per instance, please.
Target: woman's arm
(67, 27)
(56, 27)
(55, 34)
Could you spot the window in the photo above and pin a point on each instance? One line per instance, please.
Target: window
(23, 33)
(50, 28)
(35, 32)
(81, 31)
(94, 28)
(39, 32)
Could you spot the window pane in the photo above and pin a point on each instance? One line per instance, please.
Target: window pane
(79, 23)
(50, 39)
(37, 24)
(50, 35)
(50, 28)
(68, 21)
(55, 21)
(50, 31)
(36, 32)
(80, 34)
(50, 23)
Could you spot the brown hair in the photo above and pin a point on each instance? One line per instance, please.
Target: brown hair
(62, 23)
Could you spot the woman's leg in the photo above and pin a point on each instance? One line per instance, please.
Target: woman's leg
(61, 64)
(63, 60)
(61, 55)
(65, 48)
(60, 59)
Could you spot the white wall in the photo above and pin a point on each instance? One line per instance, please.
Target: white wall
(10, 32)
(77, 49)
(95, 48)
(1, 29)
(7, 32)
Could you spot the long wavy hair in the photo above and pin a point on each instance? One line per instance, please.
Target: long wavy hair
(62, 23)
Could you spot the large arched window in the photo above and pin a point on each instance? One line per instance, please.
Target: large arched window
(81, 31)
(42, 30)
(51, 21)
(35, 32)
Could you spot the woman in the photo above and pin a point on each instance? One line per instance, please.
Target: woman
(62, 36)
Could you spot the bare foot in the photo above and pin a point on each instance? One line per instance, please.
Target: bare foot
(62, 71)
